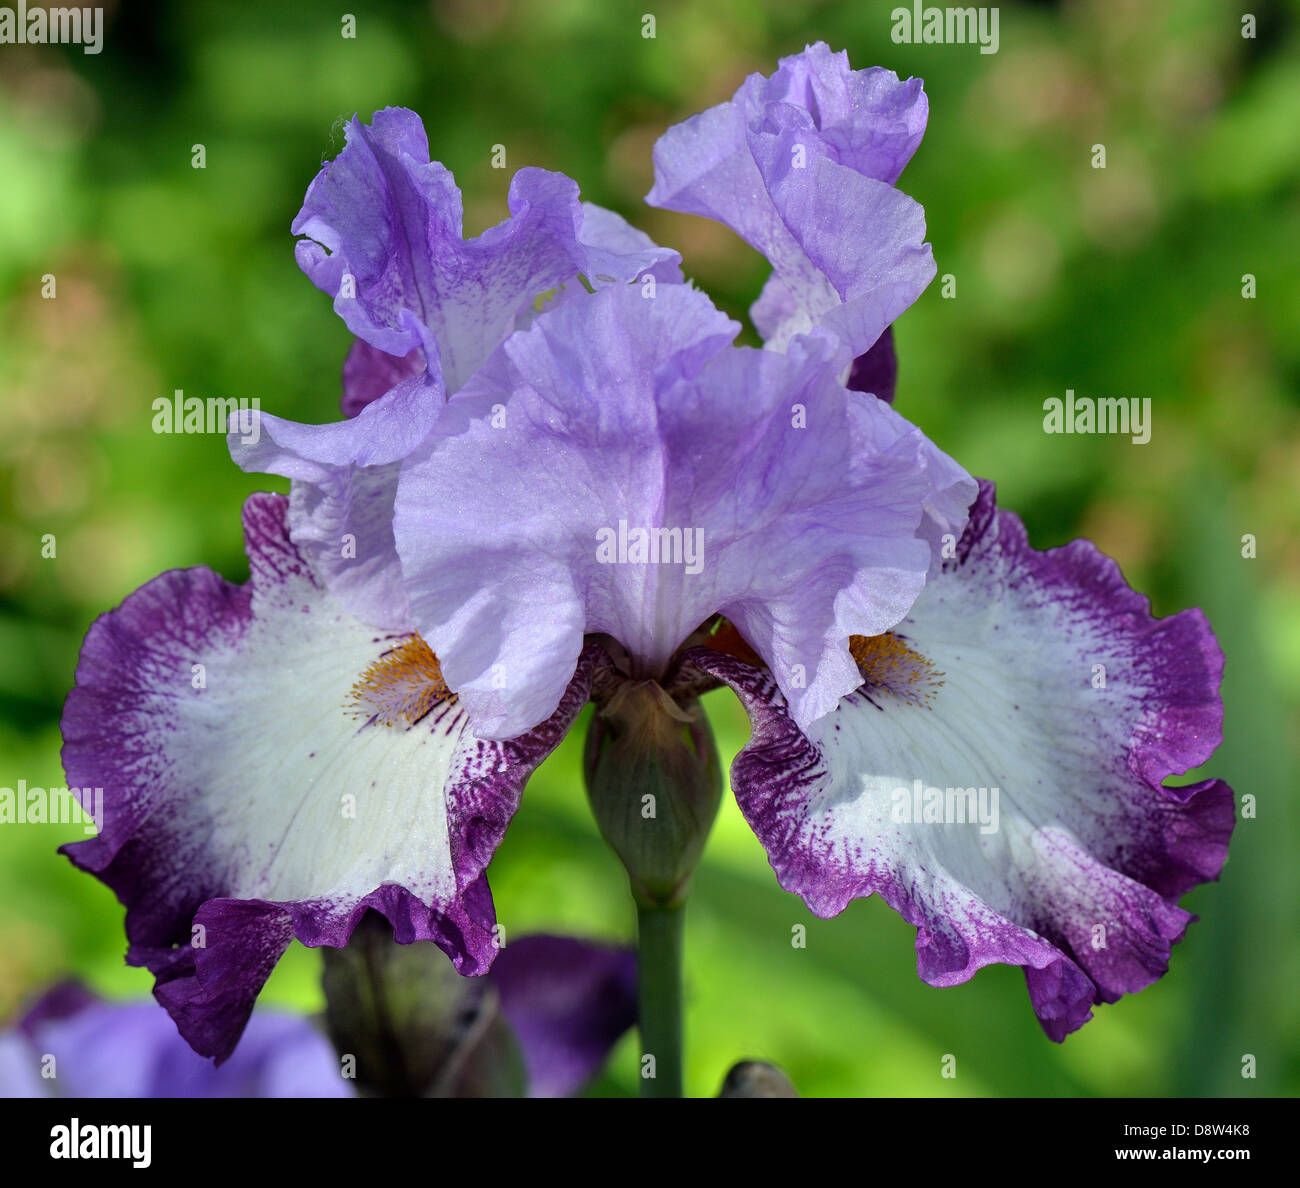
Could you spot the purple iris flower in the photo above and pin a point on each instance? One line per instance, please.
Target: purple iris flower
(74, 1044)
(560, 476)
(1039, 680)
(273, 768)
(567, 1003)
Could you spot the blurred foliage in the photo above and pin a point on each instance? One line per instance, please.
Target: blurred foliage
(1125, 281)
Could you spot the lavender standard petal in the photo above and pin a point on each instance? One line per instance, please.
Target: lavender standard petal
(384, 237)
(802, 167)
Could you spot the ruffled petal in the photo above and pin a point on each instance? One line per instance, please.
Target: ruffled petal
(383, 236)
(616, 251)
(272, 768)
(998, 778)
(802, 167)
(382, 228)
(872, 122)
(759, 487)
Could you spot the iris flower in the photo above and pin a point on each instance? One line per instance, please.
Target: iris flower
(71, 1043)
(565, 1002)
(281, 757)
(561, 480)
(1041, 675)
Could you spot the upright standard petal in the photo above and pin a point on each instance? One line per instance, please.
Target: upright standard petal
(998, 778)
(272, 768)
(383, 236)
(621, 469)
(612, 251)
(802, 166)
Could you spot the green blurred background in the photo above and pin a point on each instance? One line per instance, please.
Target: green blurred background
(1125, 281)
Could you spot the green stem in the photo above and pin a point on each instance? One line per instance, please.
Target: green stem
(659, 996)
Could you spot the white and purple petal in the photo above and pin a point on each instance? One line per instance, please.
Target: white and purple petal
(1044, 677)
(272, 768)
(343, 483)
(618, 414)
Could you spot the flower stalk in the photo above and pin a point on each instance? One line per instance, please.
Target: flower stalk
(659, 997)
(654, 784)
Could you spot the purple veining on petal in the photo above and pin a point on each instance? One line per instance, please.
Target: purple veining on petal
(568, 1001)
(1090, 836)
(174, 847)
(383, 236)
(368, 373)
(613, 251)
(476, 800)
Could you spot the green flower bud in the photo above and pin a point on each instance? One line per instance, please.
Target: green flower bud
(654, 784)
